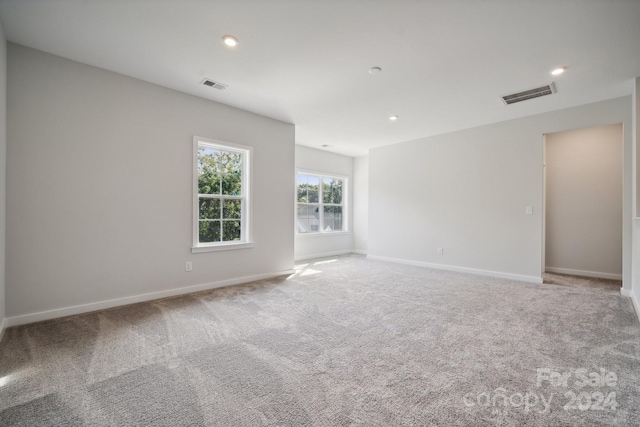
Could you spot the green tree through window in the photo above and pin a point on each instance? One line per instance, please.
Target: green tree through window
(320, 203)
(221, 194)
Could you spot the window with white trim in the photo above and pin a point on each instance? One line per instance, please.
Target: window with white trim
(321, 206)
(221, 193)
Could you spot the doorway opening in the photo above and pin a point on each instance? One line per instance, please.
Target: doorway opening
(582, 203)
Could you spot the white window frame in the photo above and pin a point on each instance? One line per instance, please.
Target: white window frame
(345, 203)
(245, 217)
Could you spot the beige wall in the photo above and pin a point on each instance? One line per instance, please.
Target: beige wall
(584, 202)
(361, 204)
(635, 129)
(317, 245)
(3, 171)
(357, 170)
(634, 292)
(99, 189)
(467, 192)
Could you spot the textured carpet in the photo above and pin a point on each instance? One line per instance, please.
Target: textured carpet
(344, 341)
(582, 282)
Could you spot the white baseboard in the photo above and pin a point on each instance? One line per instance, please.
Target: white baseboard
(518, 277)
(101, 305)
(583, 273)
(3, 326)
(360, 252)
(323, 255)
(634, 300)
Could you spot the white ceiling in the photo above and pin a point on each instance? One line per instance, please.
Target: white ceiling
(444, 62)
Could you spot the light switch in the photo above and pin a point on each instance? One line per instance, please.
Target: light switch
(529, 210)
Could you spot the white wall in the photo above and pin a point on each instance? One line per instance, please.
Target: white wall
(467, 191)
(635, 130)
(634, 291)
(99, 189)
(584, 202)
(3, 172)
(317, 245)
(361, 204)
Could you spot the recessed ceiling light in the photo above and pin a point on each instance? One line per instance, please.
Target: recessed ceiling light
(374, 70)
(230, 41)
(393, 118)
(558, 71)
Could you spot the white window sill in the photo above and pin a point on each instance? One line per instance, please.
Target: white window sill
(222, 247)
(317, 234)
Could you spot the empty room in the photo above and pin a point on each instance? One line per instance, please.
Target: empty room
(319, 213)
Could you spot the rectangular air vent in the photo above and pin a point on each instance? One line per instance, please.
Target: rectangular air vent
(214, 84)
(529, 94)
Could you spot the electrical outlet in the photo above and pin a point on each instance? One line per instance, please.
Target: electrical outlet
(440, 251)
(188, 266)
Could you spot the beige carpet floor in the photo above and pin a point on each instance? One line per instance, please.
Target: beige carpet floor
(344, 341)
(582, 282)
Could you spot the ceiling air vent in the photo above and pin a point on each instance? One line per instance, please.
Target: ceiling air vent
(529, 94)
(214, 84)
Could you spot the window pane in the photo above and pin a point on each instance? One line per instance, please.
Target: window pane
(308, 188)
(230, 231)
(219, 172)
(313, 187)
(208, 182)
(231, 169)
(332, 190)
(232, 184)
(209, 231)
(302, 189)
(220, 192)
(230, 163)
(208, 174)
(332, 220)
(209, 208)
(308, 218)
(232, 209)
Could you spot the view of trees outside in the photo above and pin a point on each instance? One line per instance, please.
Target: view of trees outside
(332, 200)
(219, 195)
(319, 204)
(308, 203)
